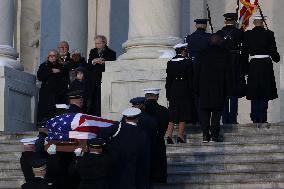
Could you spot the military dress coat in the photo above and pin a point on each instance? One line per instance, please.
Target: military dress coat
(179, 89)
(233, 38)
(212, 81)
(197, 42)
(53, 88)
(159, 168)
(93, 169)
(261, 79)
(36, 183)
(127, 151)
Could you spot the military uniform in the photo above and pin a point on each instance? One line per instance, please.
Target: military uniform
(179, 89)
(36, 183)
(93, 168)
(197, 42)
(159, 168)
(233, 38)
(260, 45)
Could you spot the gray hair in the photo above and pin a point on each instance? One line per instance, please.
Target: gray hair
(102, 37)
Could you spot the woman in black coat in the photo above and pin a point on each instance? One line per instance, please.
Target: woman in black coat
(179, 91)
(54, 83)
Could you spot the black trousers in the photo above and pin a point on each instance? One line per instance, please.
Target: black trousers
(210, 122)
(95, 108)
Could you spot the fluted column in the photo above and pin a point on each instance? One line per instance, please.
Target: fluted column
(154, 28)
(8, 55)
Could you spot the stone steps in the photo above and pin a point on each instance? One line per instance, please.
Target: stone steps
(251, 157)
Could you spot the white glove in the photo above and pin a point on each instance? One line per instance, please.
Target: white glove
(51, 149)
(78, 152)
(45, 141)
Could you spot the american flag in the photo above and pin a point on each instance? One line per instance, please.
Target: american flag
(70, 125)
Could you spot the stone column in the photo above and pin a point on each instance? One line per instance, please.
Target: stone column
(63, 20)
(18, 95)
(154, 28)
(8, 55)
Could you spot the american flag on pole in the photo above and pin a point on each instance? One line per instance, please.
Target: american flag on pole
(75, 125)
(246, 12)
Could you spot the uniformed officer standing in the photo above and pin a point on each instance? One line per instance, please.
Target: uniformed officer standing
(39, 171)
(149, 125)
(162, 115)
(75, 101)
(260, 47)
(197, 42)
(179, 92)
(127, 149)
(93, 167)
(28, 156)
(232, 42)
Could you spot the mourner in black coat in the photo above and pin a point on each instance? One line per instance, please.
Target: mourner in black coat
(260, 45)
(96, 62)
(159, 168)
(179, 92)
(127, 149)
(232, 39)
(54, 84)
(211, 85)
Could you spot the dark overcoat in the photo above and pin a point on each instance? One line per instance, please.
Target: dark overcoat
(93, 170)
(159, 168)
(36, 183)
(53, 88)
(261, 79)
(179, 89)
(233, 38)
(127, 150)
(212, 78)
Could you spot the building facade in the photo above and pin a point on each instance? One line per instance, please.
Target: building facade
(142, 32)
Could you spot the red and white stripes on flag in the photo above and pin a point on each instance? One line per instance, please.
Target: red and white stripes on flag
(246, 12)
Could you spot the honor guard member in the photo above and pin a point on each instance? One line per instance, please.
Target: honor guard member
(260, 47)
(232, 42)
(179, 92)
(211, 85)
(75, 101)
(149, 125)
(127, 149)
(39, 171)
(198, 40)
(93, 167)
(162, 116)
(27, 157)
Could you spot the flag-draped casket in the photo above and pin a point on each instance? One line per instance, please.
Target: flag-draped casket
(71, 130)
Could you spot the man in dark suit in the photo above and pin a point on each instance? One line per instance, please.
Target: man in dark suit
(39, 171)
(232, 39)
(96, 62)
(64, 54)
(159, 168)
(211, 85)
(260, 46)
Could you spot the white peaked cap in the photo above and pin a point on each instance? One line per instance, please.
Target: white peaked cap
(258, 17)
(27, 141)
(131, 112)
(180, 45)
(62, 106)
(152, 91)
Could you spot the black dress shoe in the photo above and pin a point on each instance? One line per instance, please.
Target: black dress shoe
(180, 140)
(206, 139)
(170, 140)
